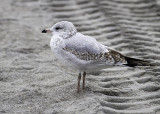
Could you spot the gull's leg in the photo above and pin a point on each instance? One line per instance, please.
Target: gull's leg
(79, 80)
(84, 79)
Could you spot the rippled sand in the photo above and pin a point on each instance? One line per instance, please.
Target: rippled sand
(33, 82)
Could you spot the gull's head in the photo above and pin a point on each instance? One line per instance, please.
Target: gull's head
(63, 29)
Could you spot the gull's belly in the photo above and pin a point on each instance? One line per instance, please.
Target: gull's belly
(68, 59)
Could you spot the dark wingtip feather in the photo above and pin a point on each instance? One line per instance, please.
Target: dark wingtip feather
(132, 62)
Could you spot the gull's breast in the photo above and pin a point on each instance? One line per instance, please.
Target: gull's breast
(68, 59)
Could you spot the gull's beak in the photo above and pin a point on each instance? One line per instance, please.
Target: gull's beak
(46, 31)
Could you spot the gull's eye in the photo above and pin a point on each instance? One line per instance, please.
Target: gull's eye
(57, 28)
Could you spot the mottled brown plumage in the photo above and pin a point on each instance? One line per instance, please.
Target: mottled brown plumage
(111, 56)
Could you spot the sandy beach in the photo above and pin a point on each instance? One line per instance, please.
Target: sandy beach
(32, 81)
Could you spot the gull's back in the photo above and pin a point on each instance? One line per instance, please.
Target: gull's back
(83, 43)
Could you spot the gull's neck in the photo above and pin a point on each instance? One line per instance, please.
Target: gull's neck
(67, 34)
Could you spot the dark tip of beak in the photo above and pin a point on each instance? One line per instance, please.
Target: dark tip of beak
(44, 31)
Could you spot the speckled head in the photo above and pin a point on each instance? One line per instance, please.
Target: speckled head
(63, 29)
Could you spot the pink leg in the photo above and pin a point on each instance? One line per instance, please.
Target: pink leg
(79, 80)
(84, 79)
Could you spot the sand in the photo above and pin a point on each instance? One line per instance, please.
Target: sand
(32, 81)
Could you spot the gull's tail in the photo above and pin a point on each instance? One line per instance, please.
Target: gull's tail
(132, 62)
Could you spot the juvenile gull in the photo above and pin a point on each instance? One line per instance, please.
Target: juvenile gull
(83, 52)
